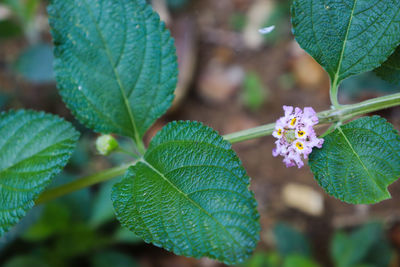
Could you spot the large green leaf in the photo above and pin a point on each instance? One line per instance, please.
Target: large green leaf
(189, 194)
(347, 37)
(115, 63)
(34, 147)
(358, 161)
(390, 69)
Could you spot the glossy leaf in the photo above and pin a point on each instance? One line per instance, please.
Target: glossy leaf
(115, 63)
(347, 37)
(358, 161)
(34, 148)
(189, 194)
(390, 69)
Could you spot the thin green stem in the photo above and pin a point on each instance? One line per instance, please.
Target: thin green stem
(334, 94)
(82, 183)
(339, 114)
(124, 151)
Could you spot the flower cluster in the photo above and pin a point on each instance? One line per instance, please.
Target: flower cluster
(296, 136)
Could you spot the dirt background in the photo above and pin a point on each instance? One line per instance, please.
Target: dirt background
(214, 59)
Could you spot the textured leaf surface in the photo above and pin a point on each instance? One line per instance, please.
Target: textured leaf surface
(34, 147)
(390, 69)
(347, 37)
(358, 161)
(190, 195)
(115, 63)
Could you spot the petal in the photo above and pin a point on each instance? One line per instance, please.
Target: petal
(288, 110)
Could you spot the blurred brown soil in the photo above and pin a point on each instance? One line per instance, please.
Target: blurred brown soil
(269, 175)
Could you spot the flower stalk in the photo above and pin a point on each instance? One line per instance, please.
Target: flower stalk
(332, 116)
(340, 114)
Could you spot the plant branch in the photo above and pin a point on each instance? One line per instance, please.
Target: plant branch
(82, 183)
(333, 93)
(339, 114)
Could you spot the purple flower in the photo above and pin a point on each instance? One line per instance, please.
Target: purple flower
(295, 135)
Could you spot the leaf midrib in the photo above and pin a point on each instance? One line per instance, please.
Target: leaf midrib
(336, 79)
(190, 200)
(358, 157)
(116, 74)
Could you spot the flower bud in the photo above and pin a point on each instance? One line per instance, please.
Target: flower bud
(106, 144)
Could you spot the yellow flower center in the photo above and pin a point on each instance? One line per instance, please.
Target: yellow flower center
(279, 132)
(293, 121)
(301, 133)
(299, 145)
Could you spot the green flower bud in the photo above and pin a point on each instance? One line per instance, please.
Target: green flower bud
(106, 144)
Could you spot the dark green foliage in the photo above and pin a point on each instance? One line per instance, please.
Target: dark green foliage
(34, 148)
(358, 161)
(290, 241)
(390, 69)
(115, 63)
(347, 37)
(366, 246)
(189, 194)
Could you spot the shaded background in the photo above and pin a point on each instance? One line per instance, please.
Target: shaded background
(231, 78)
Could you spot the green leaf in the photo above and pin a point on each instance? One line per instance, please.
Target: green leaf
(347, 37)
(102, 210)
(123, 235)
(189, 194)
(290, 241)
(358, 161)
(9, 29)
(254, 94)
(35, 64)
(112, 258)
(390, 69)
(34, 148)
(264, 259)
(25, 260)
(115, 63)
(295, 260)
(55, 218)
(365, 246)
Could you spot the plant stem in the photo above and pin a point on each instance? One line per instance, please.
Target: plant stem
(82, 183)
(339, 114)
(334, 94)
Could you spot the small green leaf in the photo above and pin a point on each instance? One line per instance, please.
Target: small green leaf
(254, 94)
(34, 148)
(35, 64)
(367, 246)
(263, 259)
(390, 69)
(123, 235)
(358, 161)
(115, 63)
(102, 210)
(112, 258)
(189, 194)
(347, 37)
(295, 260)
(25, 260)
(290, 241)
